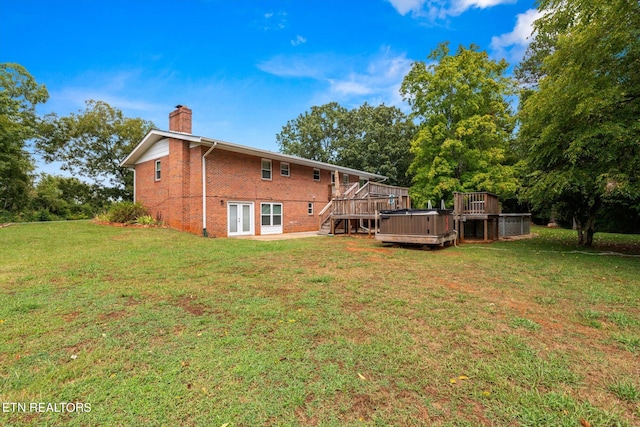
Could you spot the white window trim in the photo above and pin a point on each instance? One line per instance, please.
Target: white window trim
(262, 169)
(288, 174)
(272, 229)
(310, 208)
(314, 174)
(157, 170)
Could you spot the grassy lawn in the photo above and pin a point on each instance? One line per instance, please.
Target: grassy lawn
(157, 327)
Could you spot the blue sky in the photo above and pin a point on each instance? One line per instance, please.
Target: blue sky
(245, 68)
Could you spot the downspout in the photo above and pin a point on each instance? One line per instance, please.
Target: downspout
(134, 184)
(204, 190)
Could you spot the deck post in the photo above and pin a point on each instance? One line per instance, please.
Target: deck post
(486, 230)
(333, 227)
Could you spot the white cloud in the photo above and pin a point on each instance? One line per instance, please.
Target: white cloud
(351, 80)
(274, 21)
(350, 87)
(298, 40)
(314, 66)
(441, 9)
(513, 45)
(405, 6)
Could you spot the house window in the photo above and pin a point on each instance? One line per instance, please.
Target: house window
(157, 174)
(266, 169)
(284, 169)
(345, 179)
(271, 214)
(316, 174)
(333, 177)
(310, 208)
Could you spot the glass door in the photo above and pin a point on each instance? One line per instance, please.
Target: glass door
(240, 218)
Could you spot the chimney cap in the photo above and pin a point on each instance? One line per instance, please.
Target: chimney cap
(178, 106)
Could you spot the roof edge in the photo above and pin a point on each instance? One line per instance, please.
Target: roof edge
(156, 135)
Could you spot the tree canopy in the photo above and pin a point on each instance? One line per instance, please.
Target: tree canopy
(579, 113)
(92, 144)
(19, 95)
(372, 139)
(314, 135)
(464, 142)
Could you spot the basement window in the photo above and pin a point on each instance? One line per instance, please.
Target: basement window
(271, 214)
(157, 170)
(266, 169)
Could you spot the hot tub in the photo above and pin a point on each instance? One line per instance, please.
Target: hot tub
(416, 226)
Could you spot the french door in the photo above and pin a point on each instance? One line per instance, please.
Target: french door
(240, 218)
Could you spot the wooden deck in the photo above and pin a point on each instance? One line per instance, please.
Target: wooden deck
(471, 208)
(357, 204)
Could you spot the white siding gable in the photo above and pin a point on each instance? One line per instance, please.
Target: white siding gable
(157, 150)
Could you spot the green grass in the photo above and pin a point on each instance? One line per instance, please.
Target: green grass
(156, 327)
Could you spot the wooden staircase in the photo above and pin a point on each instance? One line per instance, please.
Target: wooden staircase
(357, 206)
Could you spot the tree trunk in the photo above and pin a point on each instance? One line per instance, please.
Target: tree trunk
(577, 225)
(590, 228)
(586, 229)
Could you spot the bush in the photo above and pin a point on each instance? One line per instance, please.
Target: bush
(126, 212)
(102, 217)
(146, 220)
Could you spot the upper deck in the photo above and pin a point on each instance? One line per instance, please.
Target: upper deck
(478, 205)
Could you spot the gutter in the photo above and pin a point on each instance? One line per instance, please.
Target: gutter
(204, 189)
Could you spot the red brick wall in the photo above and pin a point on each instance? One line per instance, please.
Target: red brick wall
(231, 177)
(176, 198)
(151, 193)
(237, 177)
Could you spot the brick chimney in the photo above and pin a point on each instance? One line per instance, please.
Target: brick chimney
(180, 119)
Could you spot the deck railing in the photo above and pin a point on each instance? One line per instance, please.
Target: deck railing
(363, 202)
(349, 191)
(479, 203)
(346, 190)
(325, 214)
(378, 190)
(366, 206)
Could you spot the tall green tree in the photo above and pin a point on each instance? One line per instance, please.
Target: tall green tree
(378, 140)
(19, 95)
(372, 139)
(92, 143)
(314, 135)
(580, 114)
(465, 137)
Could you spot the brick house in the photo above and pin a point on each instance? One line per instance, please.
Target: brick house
(216, 188)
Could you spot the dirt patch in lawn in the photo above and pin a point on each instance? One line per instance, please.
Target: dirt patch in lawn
(191, 306)
(70, 317)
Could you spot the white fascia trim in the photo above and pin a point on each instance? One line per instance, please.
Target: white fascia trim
(151, 138)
